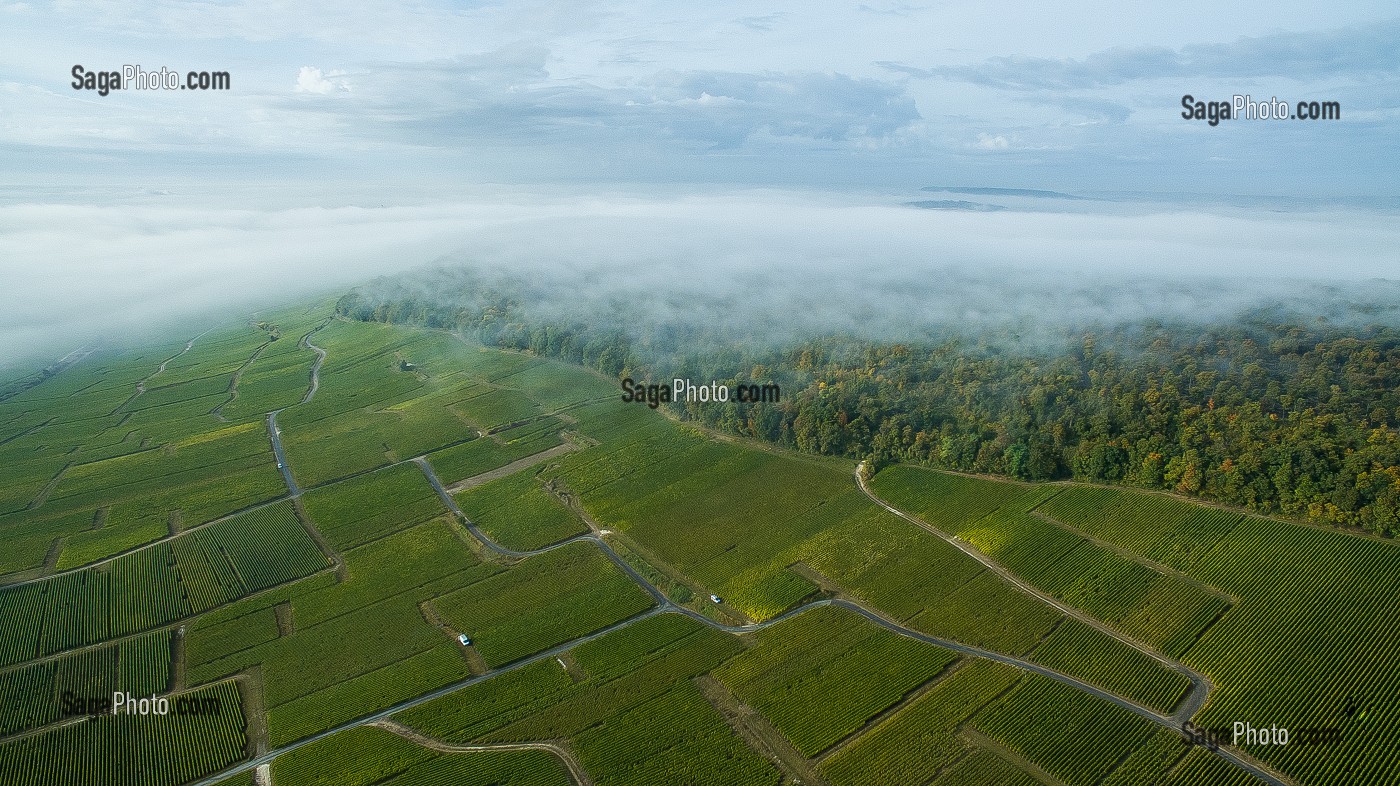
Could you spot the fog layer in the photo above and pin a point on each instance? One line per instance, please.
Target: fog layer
(773, 263)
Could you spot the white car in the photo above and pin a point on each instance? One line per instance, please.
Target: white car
(716, 599)
(463, 640)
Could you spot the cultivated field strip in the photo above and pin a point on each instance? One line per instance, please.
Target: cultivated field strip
(156, 586)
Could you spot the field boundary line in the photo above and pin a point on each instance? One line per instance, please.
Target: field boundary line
(512, 468)
(888, 714)
(141, 383)
(664, 604)
(979, 739)
(759, 733)
(233, 382)
(1152, 565)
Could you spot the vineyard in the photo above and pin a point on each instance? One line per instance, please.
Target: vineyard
(133, 750)
(519, 512)
(1075, 737)
(1076, 648)
(368, 756)
(157, 585)
(916, 743)
(1222, 581)
(981, 768)
(1158, 607)
(370, 506)
(387, 396)
(31, 695)
(634, 719)
(367, 633)
(469, 459)
(543, 601)
(824, 674)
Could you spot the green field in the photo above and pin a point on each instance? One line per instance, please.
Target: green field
(823, 675)
(634, 718)
(543, 601)
(519, 512)
(372, 757)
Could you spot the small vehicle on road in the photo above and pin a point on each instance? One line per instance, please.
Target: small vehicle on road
(716, 599)
(464, 640)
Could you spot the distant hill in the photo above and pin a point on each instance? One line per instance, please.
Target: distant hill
(1024, 192)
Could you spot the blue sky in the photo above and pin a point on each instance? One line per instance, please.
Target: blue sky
(1079, 97)
(712, 139)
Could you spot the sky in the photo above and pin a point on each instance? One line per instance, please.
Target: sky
(369, 137)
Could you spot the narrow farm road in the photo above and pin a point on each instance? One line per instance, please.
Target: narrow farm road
(316, 365)
(141, 385)
(218, 411)
(577, 773)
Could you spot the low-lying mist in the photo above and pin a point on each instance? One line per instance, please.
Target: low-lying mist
(763, 266)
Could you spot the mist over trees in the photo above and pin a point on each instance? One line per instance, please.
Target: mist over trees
(1289, 406)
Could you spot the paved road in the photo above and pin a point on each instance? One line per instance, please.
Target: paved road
(275, 433)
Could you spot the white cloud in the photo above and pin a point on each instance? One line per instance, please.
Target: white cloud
(987, 141)
(311, 80)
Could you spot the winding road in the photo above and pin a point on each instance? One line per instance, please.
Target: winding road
(275, 433)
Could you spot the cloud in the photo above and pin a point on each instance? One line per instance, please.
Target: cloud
(1094, 109)
(772, 267)
(762, 24)
(311, 80)
(986, 141)
(661, 94)
(892, 9)
(1353, 51)
(510, 95)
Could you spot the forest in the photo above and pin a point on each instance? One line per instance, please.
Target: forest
(1263, 410)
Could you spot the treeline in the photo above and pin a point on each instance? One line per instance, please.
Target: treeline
(1277, 417)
